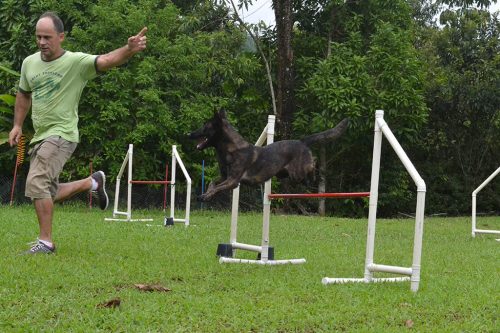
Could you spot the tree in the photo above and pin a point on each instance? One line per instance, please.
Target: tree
(285, 66)
(461, 145)
(372, 64)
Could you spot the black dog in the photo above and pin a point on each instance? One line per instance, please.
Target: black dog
(240, 161)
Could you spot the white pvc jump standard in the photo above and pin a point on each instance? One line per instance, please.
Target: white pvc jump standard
(177, 159)
(474, 194)
(266, 256)
(413, 272)
(128, 214)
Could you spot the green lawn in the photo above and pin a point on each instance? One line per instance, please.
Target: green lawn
(98, 261)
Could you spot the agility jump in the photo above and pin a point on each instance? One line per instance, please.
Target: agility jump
(128, 214)
(474, 195)
(226, 251)
(266, 252)
(413, 272)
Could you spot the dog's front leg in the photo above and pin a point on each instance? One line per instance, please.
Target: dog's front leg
(214, 183)
(225, 185)
(211, 187)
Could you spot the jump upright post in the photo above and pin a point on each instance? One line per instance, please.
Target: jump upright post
(128, 214)
(177, 159)
(227, 251)
(474, 195)
(413, 272)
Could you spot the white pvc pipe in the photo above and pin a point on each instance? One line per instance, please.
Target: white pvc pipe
(128, 220)
(485, 231)
(390, 269)
(419, 182)
(117, 196)
(188, 203)
(234, 215)
(226, 260)
(372, 206)
(129, 188)
(118, 179)
(418, 239)
(266, 203)
(248, 247)
(327, 280)
(188, 180)
(172, 183)
(474, 194)
(381, 128)
(263, 136)
(493, 175)
(176, 158)
(181, 164)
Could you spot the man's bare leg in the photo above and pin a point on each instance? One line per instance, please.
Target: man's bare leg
(45, 207)
(44, 211)
(67, 190)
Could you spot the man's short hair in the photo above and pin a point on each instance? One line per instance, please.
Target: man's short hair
(58, 23)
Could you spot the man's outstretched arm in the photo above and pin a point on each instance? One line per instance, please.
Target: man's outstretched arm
(120, 56)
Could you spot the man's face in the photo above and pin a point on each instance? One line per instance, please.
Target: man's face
(48, 39)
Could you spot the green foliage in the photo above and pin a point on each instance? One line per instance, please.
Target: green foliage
(7, 103)
(468, 3)
(372, 65)
(461, 145)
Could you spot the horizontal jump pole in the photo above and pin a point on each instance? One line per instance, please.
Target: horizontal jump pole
(150, 182)
(226, 260)
(318, 195)
(328, 280)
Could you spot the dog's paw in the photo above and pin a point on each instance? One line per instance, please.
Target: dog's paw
(205, 197)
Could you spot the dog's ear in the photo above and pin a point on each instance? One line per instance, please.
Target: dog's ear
(222, 114)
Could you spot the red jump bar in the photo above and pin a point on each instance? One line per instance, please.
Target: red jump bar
(319, 195)
(149, 182)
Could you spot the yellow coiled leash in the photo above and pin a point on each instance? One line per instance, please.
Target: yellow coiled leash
(21, 150)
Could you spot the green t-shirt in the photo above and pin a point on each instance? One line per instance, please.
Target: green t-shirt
(56, 87)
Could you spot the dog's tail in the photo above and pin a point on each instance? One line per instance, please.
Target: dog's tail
(328, 135)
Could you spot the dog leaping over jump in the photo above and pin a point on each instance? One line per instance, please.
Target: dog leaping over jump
(242, 162)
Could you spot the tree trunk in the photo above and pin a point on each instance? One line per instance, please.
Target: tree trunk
(286, 74)
(322, 180)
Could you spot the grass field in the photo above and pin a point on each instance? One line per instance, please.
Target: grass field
(99, 261)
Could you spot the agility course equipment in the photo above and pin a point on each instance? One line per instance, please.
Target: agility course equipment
(266, 253)
(413, 272)
(128, 214)
(226, 251)
(474, 195)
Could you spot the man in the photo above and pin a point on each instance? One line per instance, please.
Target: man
(51, 84)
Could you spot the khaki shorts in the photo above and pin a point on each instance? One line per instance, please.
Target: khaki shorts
(47, 159)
